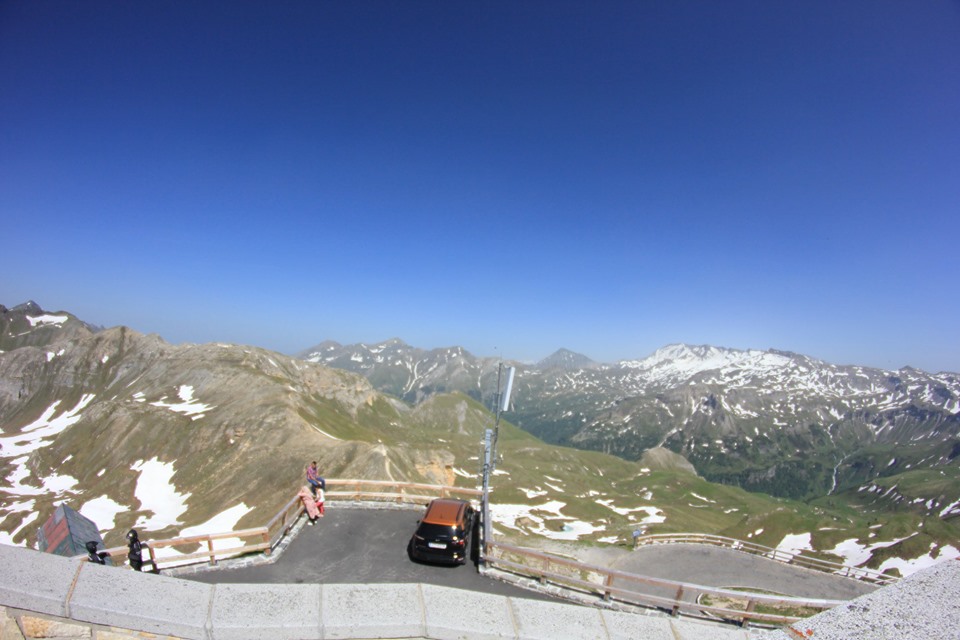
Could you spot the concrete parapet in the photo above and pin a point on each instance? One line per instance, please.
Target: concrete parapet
(265, 611)
(628, 626)
(35, 581)
(80, 600)
(490, 617)
(143, 602)
(372, 611)
(540, 620)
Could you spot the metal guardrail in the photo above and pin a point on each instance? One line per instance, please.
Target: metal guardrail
(786, 557)
(675, 597)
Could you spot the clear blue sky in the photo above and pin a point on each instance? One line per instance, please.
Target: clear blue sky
(512, 177)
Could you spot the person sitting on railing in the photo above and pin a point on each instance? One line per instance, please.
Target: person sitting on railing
(314, 479)
(309, 504)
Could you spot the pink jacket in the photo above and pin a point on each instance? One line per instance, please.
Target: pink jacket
(309, 502)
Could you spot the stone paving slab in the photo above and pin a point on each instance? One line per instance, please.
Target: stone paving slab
(265, 612)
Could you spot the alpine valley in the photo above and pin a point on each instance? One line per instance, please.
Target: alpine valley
(860, 465)
(769, 421)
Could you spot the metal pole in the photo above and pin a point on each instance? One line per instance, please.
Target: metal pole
(485, 507)
(490, 455)
(496, 425)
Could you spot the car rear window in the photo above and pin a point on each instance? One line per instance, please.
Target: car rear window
(436, 531)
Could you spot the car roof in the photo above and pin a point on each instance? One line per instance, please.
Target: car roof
(445, 511)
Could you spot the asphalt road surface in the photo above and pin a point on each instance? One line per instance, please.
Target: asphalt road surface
(352, 545)
(721, 567)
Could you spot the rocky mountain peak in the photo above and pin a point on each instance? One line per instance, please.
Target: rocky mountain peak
(28, 324)
(565, 359)
(28, 307)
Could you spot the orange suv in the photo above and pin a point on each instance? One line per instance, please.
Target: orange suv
(443, 535)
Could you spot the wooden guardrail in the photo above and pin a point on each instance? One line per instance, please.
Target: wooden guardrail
(675, 597)
(211, 555)
(837, 568)
(279, 526)
(358, 490)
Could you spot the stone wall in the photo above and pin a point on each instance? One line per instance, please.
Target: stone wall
(26, 625)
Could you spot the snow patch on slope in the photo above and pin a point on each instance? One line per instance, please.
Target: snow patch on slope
(157, 494)
(46, 320)
(538, 515)
(39, 434)
(103, 511)
(188, 407)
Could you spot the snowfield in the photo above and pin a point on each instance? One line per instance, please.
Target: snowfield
(156, 493)
(507, 515)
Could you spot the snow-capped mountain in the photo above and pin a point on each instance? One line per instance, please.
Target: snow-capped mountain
(29, 325)
(773, 421)
(767, 420)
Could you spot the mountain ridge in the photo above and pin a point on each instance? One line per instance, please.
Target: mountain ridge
(136, 432)
(773, 420)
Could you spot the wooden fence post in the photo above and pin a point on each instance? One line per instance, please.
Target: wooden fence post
(751, 605)
(676, 602)
(213, 556)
